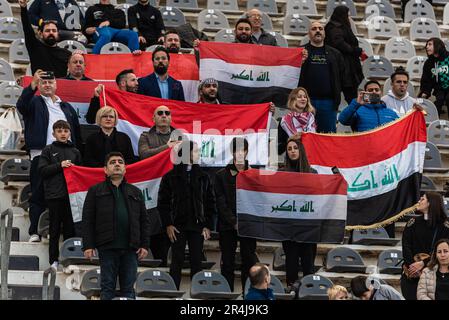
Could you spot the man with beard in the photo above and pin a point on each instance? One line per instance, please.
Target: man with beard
(208, 91)
(243, 31)
(159, 84)
(76, 67)
(44, 53)
(126, 81)
(147, 21)
(172, 41)
(258, 34)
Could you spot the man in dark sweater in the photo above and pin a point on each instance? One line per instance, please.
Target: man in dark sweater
(105, 23)
(147, 21)
(44, 53)
(76, 67)
(115, 222)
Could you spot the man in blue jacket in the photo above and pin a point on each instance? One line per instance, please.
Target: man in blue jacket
(159, 84)
(39, 114)
(260, 278)
(368, 111)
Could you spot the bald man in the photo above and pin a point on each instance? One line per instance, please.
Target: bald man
(259, 36)
(259, 276)
(76, 67)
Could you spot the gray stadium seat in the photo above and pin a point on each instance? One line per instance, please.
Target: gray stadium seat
(83, 6)
(173, 17)
(415, 66)
(377, 67)
(225, 35)
(10, 92)
(149, 261)
(14, 169)
(71, 253)
(151, 48)
(418, 9)
(331, 4)
(72, 45)
(211, 285)
(90, 284)
(314, 287)
(280, 40)
(279, 259)
(305, 7)
(387, 87)
(268, 6)
(267, 24)
(390, 261)
(371, 237)
(344, 259)
(225, 6)
(431, 109)
(124, 7)
(304, 40)
(438, 133)
(18, 52)
(183, 4)
(421, 29)
(5, 9)
(427, 184)
(6, 72)
(10, 29)
(382, 28)
(156, 284)
(366, 46)
(446, 14)
(399, 49)
(379, 8)
(432, 159)
(44, 224)
(212, 20)
(114, 48)
(277, 287)
(296, 24)
(24, 197)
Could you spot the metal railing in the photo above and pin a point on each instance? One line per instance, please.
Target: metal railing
(5, 242)
(48, 290)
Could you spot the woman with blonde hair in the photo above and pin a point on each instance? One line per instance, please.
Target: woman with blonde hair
(301, 117)
(434, 281)
(107, 140)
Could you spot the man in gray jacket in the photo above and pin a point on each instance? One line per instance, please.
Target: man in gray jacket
(369, 289)
(259, 35)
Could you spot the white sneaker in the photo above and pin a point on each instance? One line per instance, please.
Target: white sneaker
(34, 238)
(55, 265)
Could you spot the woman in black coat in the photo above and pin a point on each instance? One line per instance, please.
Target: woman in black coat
(340, 36)
(296, 161)
(107, 140)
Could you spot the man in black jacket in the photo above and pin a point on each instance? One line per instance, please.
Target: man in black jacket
(258, 34)
(321, 75)
(225, 181)
(115, 222)
(39, 114)
(147, 21)
(105, 23)
(44, 53)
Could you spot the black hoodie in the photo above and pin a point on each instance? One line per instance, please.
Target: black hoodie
(99, 13)
(435, 74)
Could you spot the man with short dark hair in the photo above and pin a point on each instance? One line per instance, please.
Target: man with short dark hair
(76, 67)
(159, 83)
(115, 222)
(208, 91)
(44, 53)
(398, 97)
(258, 34)
(243, 31)
(126, 81)
(147, 21)
(172, 41)
(260, 278)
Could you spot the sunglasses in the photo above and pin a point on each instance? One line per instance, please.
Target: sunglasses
(161, 112)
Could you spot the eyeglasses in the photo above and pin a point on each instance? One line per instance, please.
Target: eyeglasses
(254, 16)
(161, 112)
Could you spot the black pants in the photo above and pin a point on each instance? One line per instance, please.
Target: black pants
(37, 200)
(195, 242)
(441, 99)
(159, 245)
(228, 245)
(409, 287)
(294, 251)
(60, 213)
(349, 93)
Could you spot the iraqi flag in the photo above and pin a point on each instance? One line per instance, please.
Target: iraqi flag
(145, 174)
(211, 126)
(251, 73)
(77, 93)
(383, 167)
(302, 207)
(183, 67)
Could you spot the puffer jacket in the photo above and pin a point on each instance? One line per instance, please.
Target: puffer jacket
(427, 284)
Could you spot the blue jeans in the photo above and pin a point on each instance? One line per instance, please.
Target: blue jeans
(326, 116)
(105, 35)
(121, 263)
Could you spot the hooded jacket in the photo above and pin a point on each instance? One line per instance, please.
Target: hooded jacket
(367, 116)
(386, 292)
(435, 75)
(400, 106)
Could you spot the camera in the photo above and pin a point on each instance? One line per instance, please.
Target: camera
(372, 98)
(48, 75)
